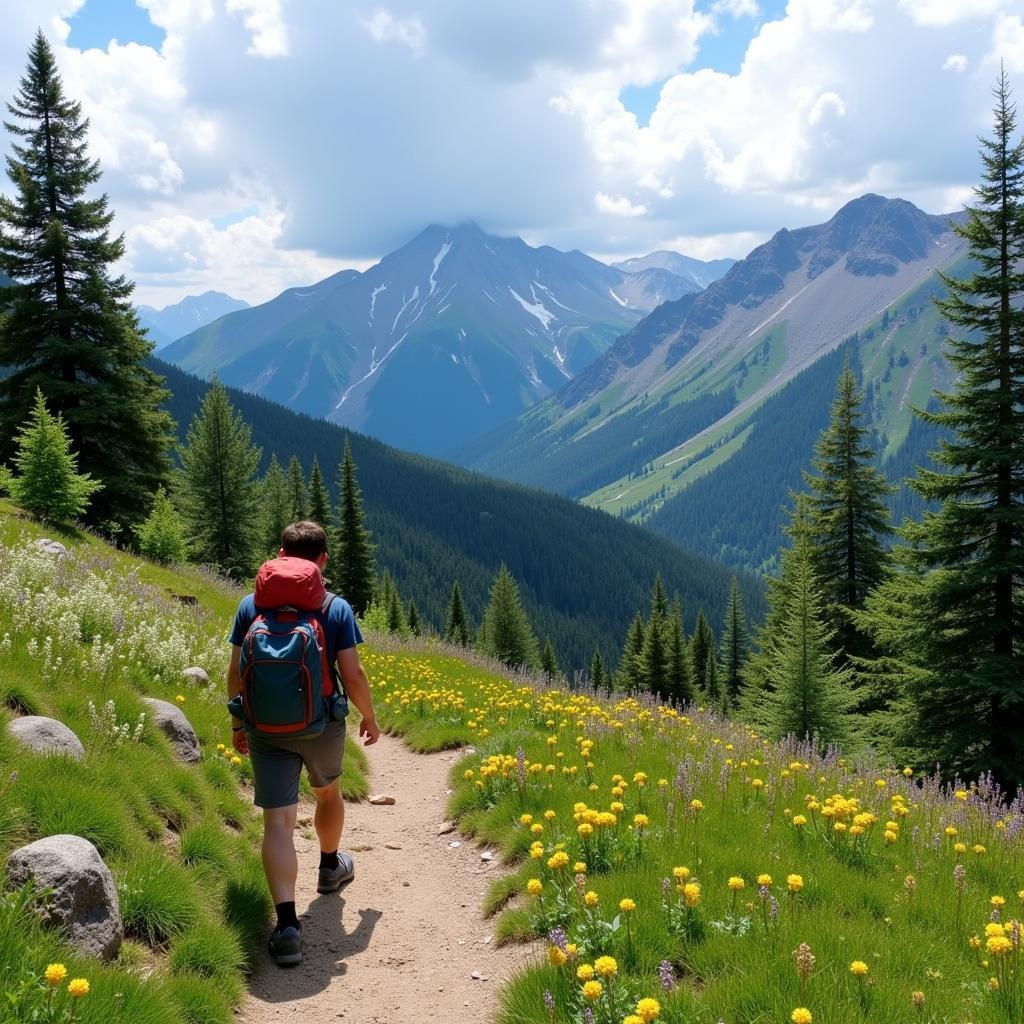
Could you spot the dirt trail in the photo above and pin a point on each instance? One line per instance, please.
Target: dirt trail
(401, 943)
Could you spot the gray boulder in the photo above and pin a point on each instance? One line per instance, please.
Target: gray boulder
(171, 721)
(196, 676)
(51, 547)
(46, 736)
(83, 900)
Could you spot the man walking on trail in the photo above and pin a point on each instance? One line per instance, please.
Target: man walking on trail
(277, 760)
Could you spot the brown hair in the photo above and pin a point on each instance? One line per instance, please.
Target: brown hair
(304, 540)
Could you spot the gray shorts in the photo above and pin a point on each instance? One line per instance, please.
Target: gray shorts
(277, 764)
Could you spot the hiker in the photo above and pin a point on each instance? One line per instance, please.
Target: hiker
(284, 727)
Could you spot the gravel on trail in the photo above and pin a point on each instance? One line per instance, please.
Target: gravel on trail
(404, 942)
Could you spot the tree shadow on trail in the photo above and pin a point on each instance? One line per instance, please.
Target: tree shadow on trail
(327, 945)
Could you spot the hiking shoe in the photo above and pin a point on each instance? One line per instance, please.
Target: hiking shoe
(286, 946)
(332, 879)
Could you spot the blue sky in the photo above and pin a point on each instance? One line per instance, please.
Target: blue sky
(253, 145)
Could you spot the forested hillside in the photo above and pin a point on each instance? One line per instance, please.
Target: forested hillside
(583, 574)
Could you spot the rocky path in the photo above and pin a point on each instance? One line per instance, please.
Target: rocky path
(400, 944)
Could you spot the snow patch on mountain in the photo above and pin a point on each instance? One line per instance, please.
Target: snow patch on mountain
(535, 308)
(438, 260)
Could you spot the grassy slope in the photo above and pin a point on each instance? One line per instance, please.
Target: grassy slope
(168, 831)
(889, 901)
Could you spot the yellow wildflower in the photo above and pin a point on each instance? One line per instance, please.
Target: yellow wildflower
(534, 886)
(592, 990)
(648, 1009)
(627, 906)
(606, 966)
(764, 879)
(556, 956)
(801, 1015)
(858, 968)
(78, 987)
(55, 974)
(795, 882)
(585, 972)
(736, 883)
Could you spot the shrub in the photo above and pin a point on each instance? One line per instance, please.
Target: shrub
(206, 843)
(247, 902)
(198, 1001)
(210, 951)
(158, 899)
(162, 535)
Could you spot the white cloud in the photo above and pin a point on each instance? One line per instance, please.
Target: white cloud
(510, 114)
(265, 20)
(384, 27)
(618, 206)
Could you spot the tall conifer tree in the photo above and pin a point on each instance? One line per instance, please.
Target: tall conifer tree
(848, 516)
(275, 507)
(598, 676)
(353, 554)
(809, 695)
(654, 659)
(319, 499)
(506, 633)
(958, 654)
(680, 677)
(549, 662)
(735, 641)
(69, 328)
(414, 620)
(702, 644)
(296, 491)
(456, 628)
(630, 672)
(219, 491)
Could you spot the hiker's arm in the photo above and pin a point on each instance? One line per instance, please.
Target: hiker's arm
(238, 738)
(357, 686)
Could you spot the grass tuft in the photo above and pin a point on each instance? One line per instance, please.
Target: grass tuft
(158, 899)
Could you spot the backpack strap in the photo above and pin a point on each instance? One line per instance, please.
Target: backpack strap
(325, 608)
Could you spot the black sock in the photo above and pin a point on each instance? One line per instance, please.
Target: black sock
(286, 916)
(329, 861)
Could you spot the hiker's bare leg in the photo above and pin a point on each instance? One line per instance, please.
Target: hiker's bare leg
(329, 818)
(279, 860)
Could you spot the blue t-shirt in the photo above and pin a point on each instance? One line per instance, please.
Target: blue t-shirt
(341, 631)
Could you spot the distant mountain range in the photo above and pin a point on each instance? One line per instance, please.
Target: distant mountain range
(448, 336)
(582, 574)
(194, 311)
(699, 273)
(652, 428)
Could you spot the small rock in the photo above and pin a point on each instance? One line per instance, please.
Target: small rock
(446, 829)
(361, 848)
(382, 800)
(197, 676)
(171, 721)
(405, 885)
(51, 547)
(487, 856)
(392, 846)
(454, 845)
(46, 736)
(470, 750)
(83, 900)
(477, 976)
(488, 939)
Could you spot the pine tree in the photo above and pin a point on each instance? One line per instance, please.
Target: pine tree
(162, 535)
(680, 679)
(219, 493)
(712, 687)
(48, 484)
(654, 659)
(69, 328)
(659, 602)
(734, 644)
(319, 499)
(296, 492)
(598, 676)
(355, 568)
(392, 603)
(849, 516)
(456, 628)
(549, 662)
(630, 672)
(275, 507)
(506, 633)
(810, 695)
(701, 645)
(413, 619)
(959, 651)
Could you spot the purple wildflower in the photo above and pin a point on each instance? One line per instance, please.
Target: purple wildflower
(557, 938)
(667, 976)
(549, 1002)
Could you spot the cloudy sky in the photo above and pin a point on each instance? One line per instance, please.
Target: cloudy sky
(251, 145)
